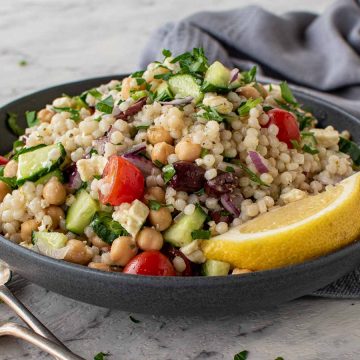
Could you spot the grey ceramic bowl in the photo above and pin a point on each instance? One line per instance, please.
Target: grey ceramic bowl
(176, 295)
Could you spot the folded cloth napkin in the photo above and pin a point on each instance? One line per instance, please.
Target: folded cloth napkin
(320, 52)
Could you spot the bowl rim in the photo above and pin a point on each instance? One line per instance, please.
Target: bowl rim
(175, 281)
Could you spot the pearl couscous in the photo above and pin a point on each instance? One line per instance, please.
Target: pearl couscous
(132, 175)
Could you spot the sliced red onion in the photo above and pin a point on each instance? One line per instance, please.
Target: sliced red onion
(144, 165)
(232, 203)
(74, 181)
(258, 162)
(132, 110)
(184, 101)
(137, 149)
(234, 75)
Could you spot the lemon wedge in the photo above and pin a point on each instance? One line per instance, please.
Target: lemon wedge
(294, 233)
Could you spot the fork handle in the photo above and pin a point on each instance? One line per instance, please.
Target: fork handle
(20, 309)
(26, 334)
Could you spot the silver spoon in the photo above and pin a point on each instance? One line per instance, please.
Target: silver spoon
(19, 308)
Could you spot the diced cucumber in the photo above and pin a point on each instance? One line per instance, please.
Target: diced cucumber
(186, 85)
(81, 212)
(56, 173)
(106, 228)
(54, 239)
(179, 234)
(34, 164)
(215, 268)
(163, 92)
(217, 78)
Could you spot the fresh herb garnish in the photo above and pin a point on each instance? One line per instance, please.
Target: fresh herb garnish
(252, 176)
(11, 182)
(140, 81)
(167, 53)
(93, 152)
(203, 152)
(308, 149)
(106, 106)
(22, 63)
(158, 164)
(229, 169)
(303, 119)
(249, 76)
(246, 106)
(137, 74)
(136, 321)
(279, 358)
(242, 355)
(349, 147)
(74, 114)
(2, 170)
(13, 125)
(101, 356)
(270, 87)
(142, 127)
(267, 108)
(31, 118)
(194, 62)
(137, 95)
(164, 77)
(17, 145)
(200, 234)
(287, 94)
(210, 114)
(309, 142)
(168, 173)
(155, 205)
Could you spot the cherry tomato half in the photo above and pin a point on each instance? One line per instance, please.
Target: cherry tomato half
(125, 180)
(3, 160)
(150, 263)
(287, 124)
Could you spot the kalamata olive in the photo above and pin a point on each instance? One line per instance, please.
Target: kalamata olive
(221, 216)
(72, 177)
(132, 110)
(189, 177)
(221, 184)
(171, 253)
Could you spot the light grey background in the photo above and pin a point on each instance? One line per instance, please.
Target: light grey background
(66, 40)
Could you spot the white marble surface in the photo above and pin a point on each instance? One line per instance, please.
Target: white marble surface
(65, 40)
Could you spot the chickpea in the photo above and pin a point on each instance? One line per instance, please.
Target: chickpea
(99, 266)
(238, 271)
(27, 228)
(249, 92)
(78, 252)
(54, 192)
(149, 239)
(157, 134)
(4, 190)
(186, 150)
(45, 115)
(56, 213)
(161, 218)
(99, 243)
(123, 249)
(161, 151)
(155, 193)
(10, 168)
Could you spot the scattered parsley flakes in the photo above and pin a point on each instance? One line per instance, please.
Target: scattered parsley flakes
(12, 123)
(349, 147)
(136, 321)
(267, 108)
(74, 114)
(308, 149)
(167, 53)
(158, 164)
(155, 205)
(203, 152)
(246, 106)
(210, 114)
(168, 172)
(242, 355)
(252, 176)
(10, 181)
(22, 63)
(194, 62)
(101, 356)
(95, 93)
(287, 94)
(31, 118)
(200, 234)
(249, 76)
(229, 169)
(137, 74)
(106, 106)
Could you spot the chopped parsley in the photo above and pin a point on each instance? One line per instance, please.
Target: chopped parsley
(249, 76)
(136, 321)
(142, 127)
(229, 169)
(17, 145)
(11, 182)
(200, 234)
(155, 205)
(101, 356)
(246, 106)
(74, 114)
(203, 152)
(267, 108)
(165, 77)
(287, 94)
(168, 173)
(200, 192)
(194, 62)
(2, 170)
(210, 114)
(158, 164)
(31, 118)
(309, 142)
(12, 123)
(350, 148)
(22, 63)
(308, 149)
(252, 176)
(137, 95)
(137, 74)
(242, 355)
(167, 53)
(140, 81)
(106, 106)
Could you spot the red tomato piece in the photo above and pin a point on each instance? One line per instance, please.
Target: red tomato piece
(125, 179)
(287, 124)
(3, 160)
(150, 263)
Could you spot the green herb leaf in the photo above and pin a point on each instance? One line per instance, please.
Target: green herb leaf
(309, 134)
(270, 87)
(164, 77)
(200, 234)
(106, 106)
(140, 81)
(155, 205)
(246, 106)
(350, 148)
(229, 169)
(194, 62)
(203, 152)
(2, 170)
(168, 173)
(137, 74)
(11, 182)
(279, 358)
(287, 94)
(93, 152)
(252, 176)
(22, 63)
(295, 144)
(136, 321)
(158, 164)
(249, 76)
(167, 53)
(200, 192)
(101, 356)
(74, 114)
(137, 95)
(17, 144)
(210, 114)
(142, 127)
(13, 125)
(31, 118)
(310, 150)
(241, 355)
(267, 108)
(304, 120)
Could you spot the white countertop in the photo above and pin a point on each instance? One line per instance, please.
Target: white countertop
(64, 41)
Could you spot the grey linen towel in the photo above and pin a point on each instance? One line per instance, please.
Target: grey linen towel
(320, 52)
